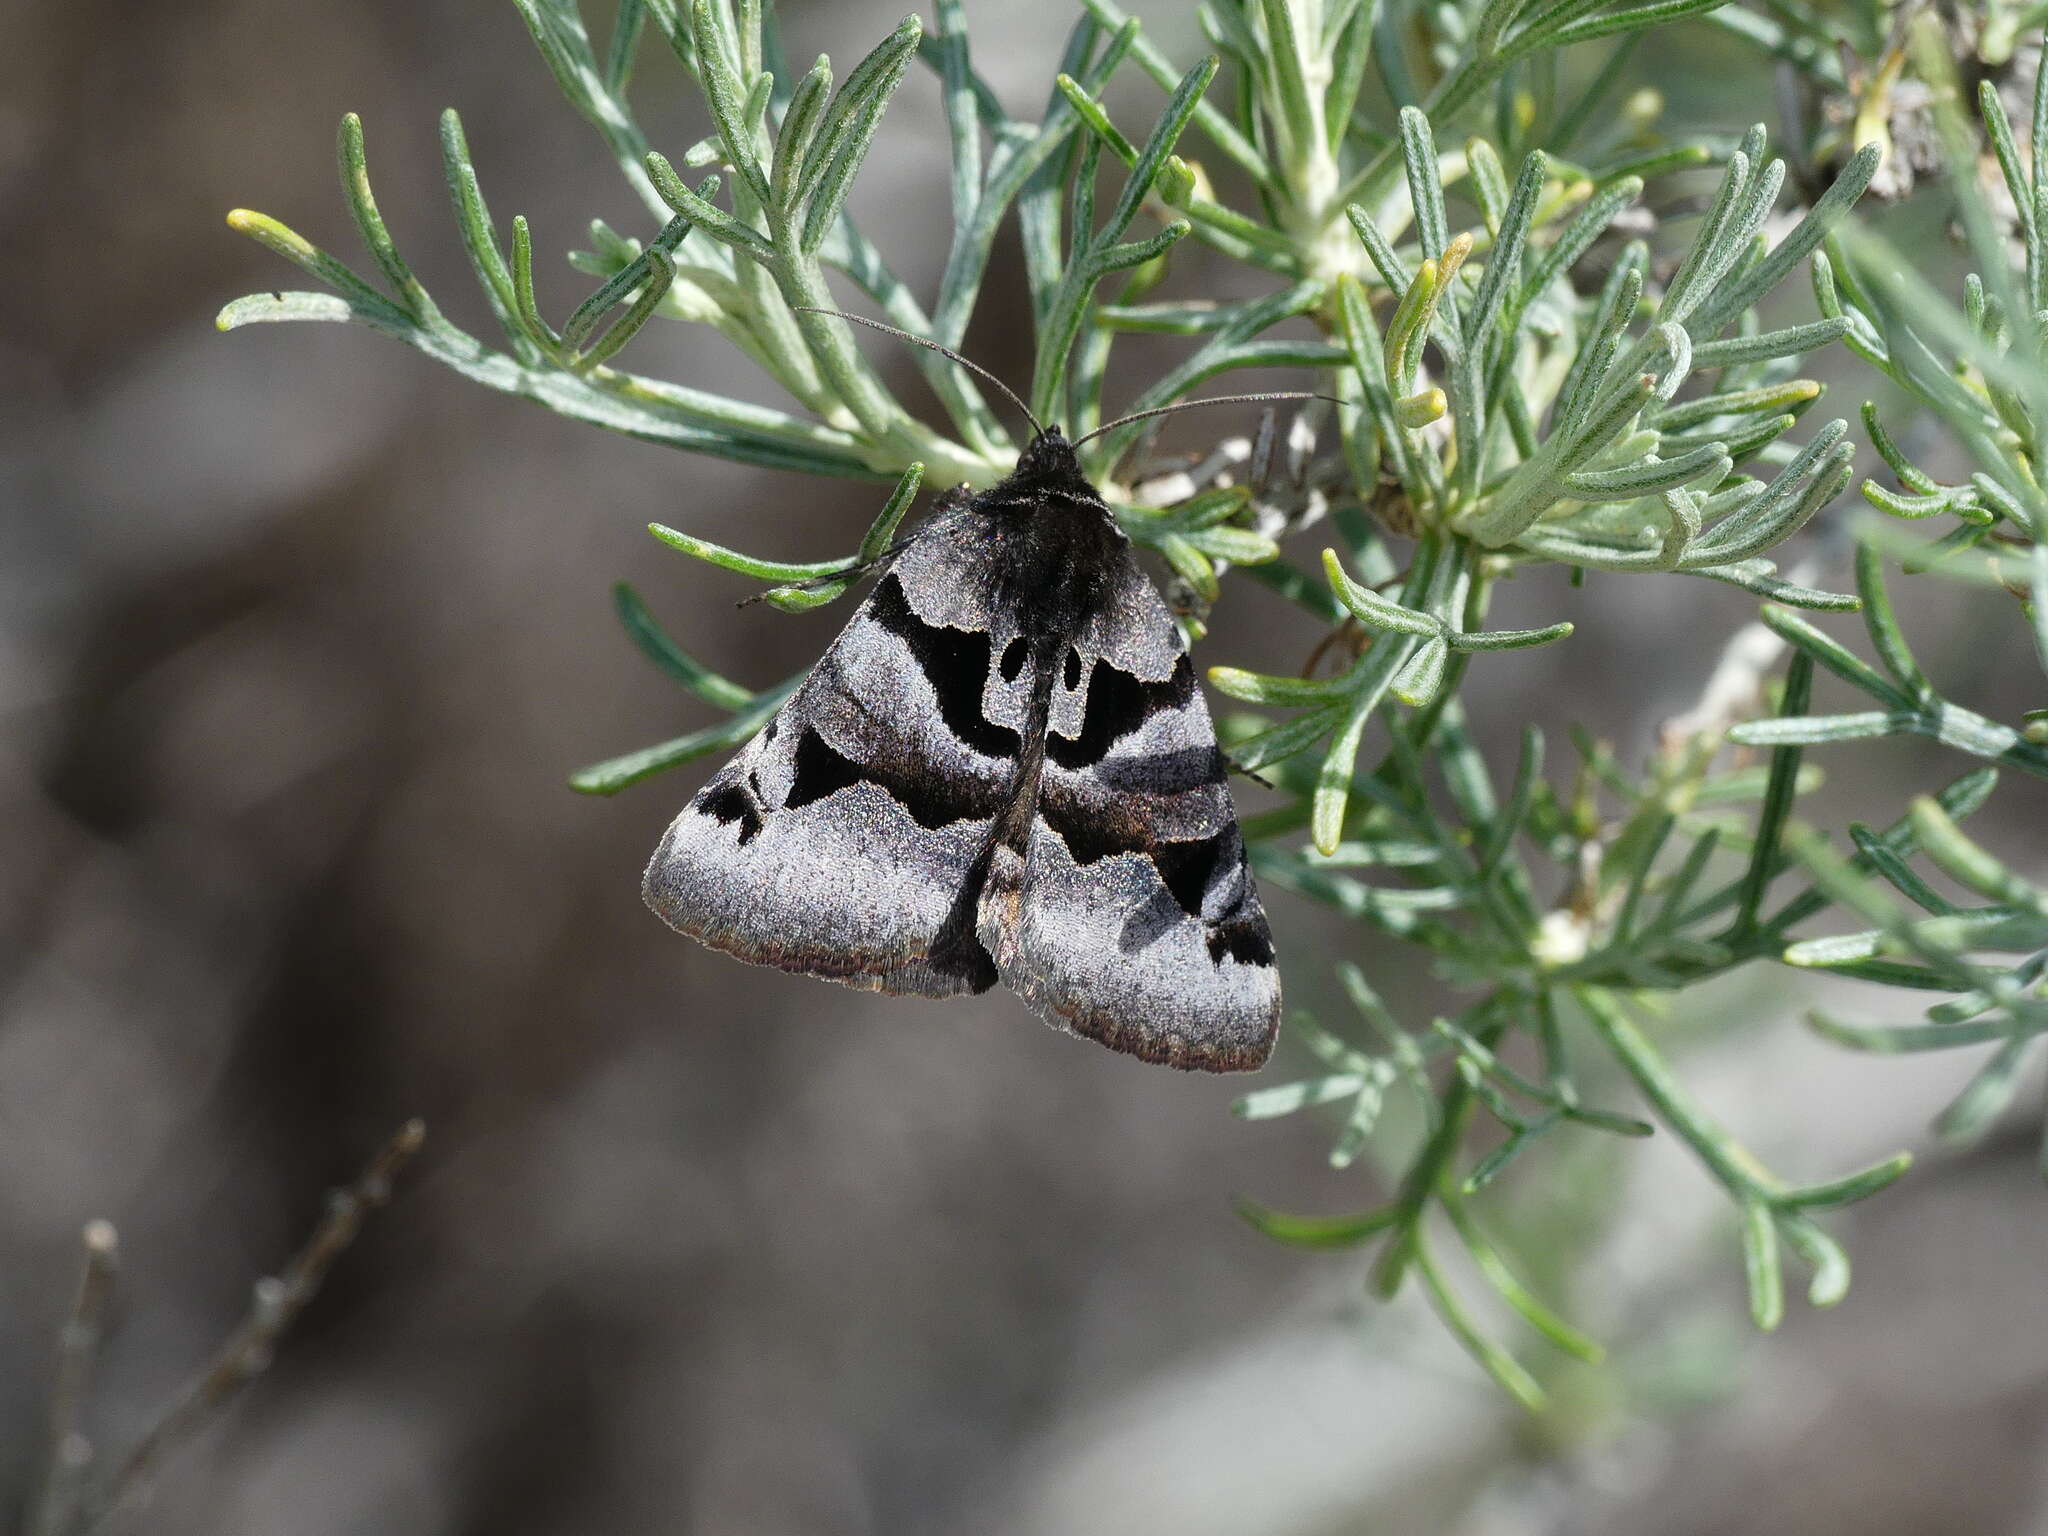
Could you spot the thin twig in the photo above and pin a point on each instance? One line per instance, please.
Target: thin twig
(279, 1299)
(78, 1348)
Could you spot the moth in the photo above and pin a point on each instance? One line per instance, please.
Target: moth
(1001, 770)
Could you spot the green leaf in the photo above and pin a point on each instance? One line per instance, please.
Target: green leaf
(1494, 1268)
(1270, 1103)
(1509, 1373)
(1289, 737)
(1783, 786)
(666, 654)
(1333, 779)
(1760, 1265)
(1760, 577)
(1419, 680)
(1804, 240)
(1857, 1186)
(743, 565)
(362, 203)
(704, 214)
(1373, 610)
(725, 94)
(1764, 346)
(1830, 1264)
(1968, 864)
(473, 219)
(650, 273)
(1710, 463)
(615, 774)
(1321, 1232)
(1835, 656)
(1508, 639)
(848, 129)
(303, 254)
(1264, 688)
(260, 308)
(799, 128)
(1883, 625)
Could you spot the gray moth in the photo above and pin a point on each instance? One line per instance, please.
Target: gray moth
(1001, 770)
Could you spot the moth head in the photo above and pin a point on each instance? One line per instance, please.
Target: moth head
(1049, 462)
(1049, 450)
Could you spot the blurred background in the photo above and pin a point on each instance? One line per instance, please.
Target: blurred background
(299, 639)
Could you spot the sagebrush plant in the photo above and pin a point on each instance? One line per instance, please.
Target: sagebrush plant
(1532, 370)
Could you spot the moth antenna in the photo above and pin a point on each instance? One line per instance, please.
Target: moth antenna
(1188, 405)
(937, 346)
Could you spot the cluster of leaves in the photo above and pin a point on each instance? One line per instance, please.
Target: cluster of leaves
(1865, 42)
(1528, 368)
(1980, 370)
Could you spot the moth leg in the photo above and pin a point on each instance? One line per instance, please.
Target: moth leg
(1232, 765)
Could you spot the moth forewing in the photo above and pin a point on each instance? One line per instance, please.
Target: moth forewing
(834, 843)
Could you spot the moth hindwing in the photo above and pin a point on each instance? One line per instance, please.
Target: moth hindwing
(1002, 769)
